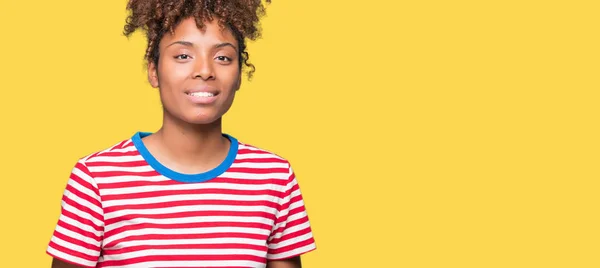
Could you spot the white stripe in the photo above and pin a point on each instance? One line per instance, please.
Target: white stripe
(81, 188)
(156, 211)
(191, 220)
(70, 258)
(83, 226)
(158, 242)
(255, 156)
(193, 264)
(289, 230)
(124, 150)
(204, 230)
(75, 247)
(292, 252)
(80, 213)
(77, 236)
(251, 176)
(189, 197)
(145, 168)
(291, 241)
(129, 178)
(116, 159)
(83, 203)
(296, 216)
(153, 252)
(198, 186)
(259, 165)
(296, 204)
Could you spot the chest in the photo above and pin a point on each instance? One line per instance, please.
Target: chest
(168, 225)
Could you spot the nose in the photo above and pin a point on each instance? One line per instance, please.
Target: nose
(204, 69)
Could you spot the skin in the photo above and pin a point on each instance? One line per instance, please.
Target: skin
(190, 139)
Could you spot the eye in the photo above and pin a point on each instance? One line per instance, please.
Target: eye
(223, 58)
(182, 57)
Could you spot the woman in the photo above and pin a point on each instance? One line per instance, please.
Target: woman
(187, 195)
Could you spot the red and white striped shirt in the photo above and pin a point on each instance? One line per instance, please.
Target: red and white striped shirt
(122, 208)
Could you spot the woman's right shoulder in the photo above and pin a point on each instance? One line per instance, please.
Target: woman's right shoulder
(122, 148)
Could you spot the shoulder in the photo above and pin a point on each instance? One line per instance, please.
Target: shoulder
(116, 151)
(248, 151)
(254, 156)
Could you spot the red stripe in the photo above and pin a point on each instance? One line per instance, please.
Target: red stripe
(252, 151)
(290, 213)
(85, 221)
(186, 246)
(79, 231)
(260, 160)
(293, 234)
(135, 227)
(78, 242)
(83, 196)
(105, 174)
(190, 192)
(186, 236)
(188, 214)
(287, 226)
(83, 182)
(82, 208)
(117, 164)
(173, 204)
(189, 267)
(278, 182)
(163, 258)
(292, 246)
(258, 170)
(71, 252)
(117, 154)
(120, 145)
(140, 182)
(67, 260)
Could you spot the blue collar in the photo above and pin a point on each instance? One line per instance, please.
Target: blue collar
(174, 175)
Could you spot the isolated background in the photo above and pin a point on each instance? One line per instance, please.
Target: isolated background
(423, 133)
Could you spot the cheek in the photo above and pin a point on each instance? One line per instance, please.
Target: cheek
(172, 76)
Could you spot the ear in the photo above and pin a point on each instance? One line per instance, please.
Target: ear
(239, 82)
(153, 74)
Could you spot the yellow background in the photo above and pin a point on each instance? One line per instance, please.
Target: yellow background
(423, 133)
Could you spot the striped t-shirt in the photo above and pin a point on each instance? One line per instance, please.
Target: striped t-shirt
(122, 208)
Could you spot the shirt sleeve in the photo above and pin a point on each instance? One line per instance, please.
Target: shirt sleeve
(292, 234)
(77, 237)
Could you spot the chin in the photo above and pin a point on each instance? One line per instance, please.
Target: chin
(201, 119)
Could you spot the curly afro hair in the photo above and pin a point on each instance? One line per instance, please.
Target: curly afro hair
(157, 17)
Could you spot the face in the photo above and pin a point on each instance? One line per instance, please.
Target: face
(197, 73)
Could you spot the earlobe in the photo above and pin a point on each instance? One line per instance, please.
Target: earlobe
(152, 75)
(239, 83)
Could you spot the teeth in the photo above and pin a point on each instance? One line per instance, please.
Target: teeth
(202, 94)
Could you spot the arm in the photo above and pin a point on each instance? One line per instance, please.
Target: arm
(286, 263)
(78, 235)
(291, 236)
(56, 263)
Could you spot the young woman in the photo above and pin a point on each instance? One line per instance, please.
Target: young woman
(187, 195)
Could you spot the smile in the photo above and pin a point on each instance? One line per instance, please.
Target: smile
(201, 94)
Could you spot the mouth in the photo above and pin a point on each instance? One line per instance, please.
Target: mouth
(202, 94)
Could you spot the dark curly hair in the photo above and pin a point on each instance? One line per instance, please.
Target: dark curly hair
(157, 17)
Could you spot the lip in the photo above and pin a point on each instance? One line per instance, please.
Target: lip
(209, 89)
(202, 100)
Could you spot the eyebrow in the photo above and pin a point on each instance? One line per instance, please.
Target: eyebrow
(190, 44)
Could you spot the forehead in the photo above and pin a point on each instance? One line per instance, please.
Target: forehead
(187, 30)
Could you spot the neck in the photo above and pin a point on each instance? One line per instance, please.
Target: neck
(188, 147)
